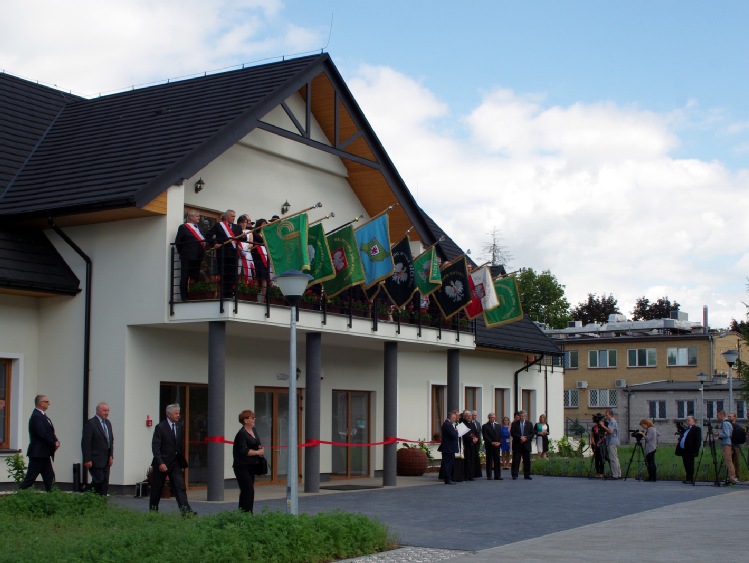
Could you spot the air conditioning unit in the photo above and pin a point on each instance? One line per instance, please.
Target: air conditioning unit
(582, 385)
(621, 382)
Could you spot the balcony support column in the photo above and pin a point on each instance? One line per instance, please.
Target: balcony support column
(216, 410)
(390, 414)
(313, 377)
(453, 380)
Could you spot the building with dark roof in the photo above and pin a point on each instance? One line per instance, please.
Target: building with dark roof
(92, 192)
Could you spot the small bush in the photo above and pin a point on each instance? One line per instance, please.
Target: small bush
(16, 467)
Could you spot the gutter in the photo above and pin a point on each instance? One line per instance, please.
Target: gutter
(533, 363)
(87, 316)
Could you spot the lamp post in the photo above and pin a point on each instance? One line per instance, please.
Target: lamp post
(702, 377)
(730, 356)
(292, 284)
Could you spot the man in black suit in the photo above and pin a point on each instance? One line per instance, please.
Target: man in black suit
(169, 460)
(42, 445)
(689, 448)
(492, 433)
(522, 437)
(221, 237)
(97, 445)
(190, 243)
(449, 447)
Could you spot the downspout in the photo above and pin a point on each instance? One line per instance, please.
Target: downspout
(87, 318)
(546, 391)
(533, 363)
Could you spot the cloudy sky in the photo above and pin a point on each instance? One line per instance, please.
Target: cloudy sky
(607, 142)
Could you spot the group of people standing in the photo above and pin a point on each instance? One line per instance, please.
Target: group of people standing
(467, 434)
(238, 247)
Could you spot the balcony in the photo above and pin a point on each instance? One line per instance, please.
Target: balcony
(243, 299)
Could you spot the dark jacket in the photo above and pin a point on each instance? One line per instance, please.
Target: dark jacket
(491, 434)
(243, 442)
(449, 438)
(42, 437)
(94, 442)
(691, 443)
(165, 448)
(188, 247)
(516, 433)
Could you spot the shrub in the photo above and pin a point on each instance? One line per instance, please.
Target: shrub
(16, 467)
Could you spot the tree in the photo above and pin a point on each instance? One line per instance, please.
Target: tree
(595, 309)
(741, 327)
(542, 298)
(646, 311)
(495, 252)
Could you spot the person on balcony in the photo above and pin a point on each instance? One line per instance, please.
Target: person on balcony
(224, 236)
(246, 265)
(190, 244)
(261, 261)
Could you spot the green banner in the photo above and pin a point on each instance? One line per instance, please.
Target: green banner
(286, 243)
(427, 272)
(321, 266)
(344, 254)
(510, 309)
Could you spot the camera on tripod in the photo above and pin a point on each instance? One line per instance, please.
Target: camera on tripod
(680, 428)
(637, 434)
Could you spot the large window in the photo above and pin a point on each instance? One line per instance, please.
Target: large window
(601, 358)
(682, 356)
(657, 409)
(602, 397)
(740, 409)
(712, 408)
(571, 359)
(439, 409)
(4, 403)
(571, 398)
(499, 404)
(684, 409)
(471, 399)
(641, 358)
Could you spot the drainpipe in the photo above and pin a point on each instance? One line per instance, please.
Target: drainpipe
(533, 363)
(87, 319)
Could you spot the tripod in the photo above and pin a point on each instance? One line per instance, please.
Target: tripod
(709, 441)
(639, 452)
(599, 451)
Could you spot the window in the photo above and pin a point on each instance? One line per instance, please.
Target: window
(499, 404)
(712, 408)
(439, 409)
(571, 398)
(601, 358)
(740, 409)
(4, 403)
(681, 356)
(684, 409)
(571, 359)
(641, 358)
(602, 397)
(657, 409)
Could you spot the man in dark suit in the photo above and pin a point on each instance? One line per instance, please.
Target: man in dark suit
(97, 445)
(42, 445)
(476, 425)
(221, 237)
(190, 243)
(688, 448)
(522, 437)
(449, 447)
(169, 460)
(470, 446)
(492, 433)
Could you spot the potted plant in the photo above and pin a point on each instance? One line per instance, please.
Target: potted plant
(202, 290)
(247, 290)
(412, 461)
(310, 300)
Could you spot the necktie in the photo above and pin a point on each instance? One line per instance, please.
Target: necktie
(174, 431)
(106, 430)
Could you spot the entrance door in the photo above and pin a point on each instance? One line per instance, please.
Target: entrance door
(272, 425)
(527, 398)
(351, 423)
(193, 401)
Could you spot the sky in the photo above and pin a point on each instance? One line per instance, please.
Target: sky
(606, 142)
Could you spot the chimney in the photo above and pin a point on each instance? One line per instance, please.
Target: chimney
(704, 319)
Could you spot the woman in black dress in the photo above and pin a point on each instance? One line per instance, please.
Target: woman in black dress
(247, 453)
(260, 260)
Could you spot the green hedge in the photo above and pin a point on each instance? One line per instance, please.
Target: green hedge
(71, 527)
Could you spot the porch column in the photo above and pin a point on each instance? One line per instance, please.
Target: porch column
(313, 361)
(453, 380)
(216, 412)
(390, 414)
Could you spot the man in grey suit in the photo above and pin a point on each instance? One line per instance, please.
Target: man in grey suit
(169, 460)
(97, 445)
(522, 436)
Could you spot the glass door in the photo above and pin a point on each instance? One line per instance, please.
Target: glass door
(193, 401)
(272, 425)
(351, 424)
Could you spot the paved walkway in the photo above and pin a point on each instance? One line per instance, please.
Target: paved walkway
(548, 518)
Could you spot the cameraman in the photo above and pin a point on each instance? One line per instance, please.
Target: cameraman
(726, 429)
(612, 444)
(651, 444)
(688, 448)
(598, 443)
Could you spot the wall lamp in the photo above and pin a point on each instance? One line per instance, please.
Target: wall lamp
(285, 207)
(199, 185)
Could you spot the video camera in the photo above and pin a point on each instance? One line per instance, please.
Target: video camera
(680, 428)
(637, 434)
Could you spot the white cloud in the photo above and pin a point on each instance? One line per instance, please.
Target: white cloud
(588, 191)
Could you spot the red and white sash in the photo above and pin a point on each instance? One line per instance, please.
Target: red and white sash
(229, 232)
(194, 231)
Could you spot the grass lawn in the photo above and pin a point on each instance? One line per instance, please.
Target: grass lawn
(72, 527)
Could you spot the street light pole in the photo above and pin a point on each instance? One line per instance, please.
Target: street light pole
(702, 377)
(730, 356)
(292, 284)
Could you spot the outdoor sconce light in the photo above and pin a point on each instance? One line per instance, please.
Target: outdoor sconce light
(199, 185)
(285, 207)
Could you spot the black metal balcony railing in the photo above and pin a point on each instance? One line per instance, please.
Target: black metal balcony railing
(207, 281)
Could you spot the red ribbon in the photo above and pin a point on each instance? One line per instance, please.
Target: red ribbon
(312, 443)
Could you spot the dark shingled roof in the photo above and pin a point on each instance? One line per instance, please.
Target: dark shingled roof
(126, 149)
(29, 262)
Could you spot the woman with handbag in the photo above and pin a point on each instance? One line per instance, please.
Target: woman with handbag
(248, 453)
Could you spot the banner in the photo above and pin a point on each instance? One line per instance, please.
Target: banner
(286, 243)
(427, 272)
(483, 296)
(401, 285)
(454, 293)
(510, 309)
(346, 262)
(321, 265)
(373, 242)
